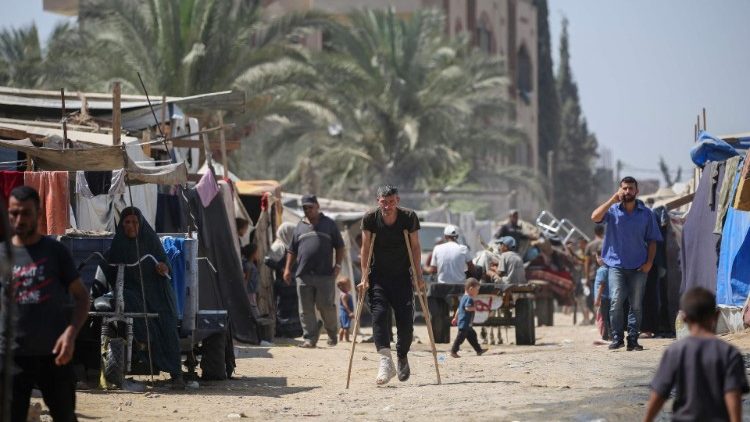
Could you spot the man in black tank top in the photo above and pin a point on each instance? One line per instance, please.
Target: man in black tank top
(390, 283)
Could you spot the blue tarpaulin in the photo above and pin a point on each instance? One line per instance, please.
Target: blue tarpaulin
(710, 148)
(733, 277)
(173, 246)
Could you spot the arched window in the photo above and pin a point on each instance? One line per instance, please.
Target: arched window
(485, 35)
(524, 74)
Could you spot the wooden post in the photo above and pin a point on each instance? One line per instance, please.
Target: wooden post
(207, 150)
(64, 119)
(704, 119)
(164, 110)
(146, 140)
(116, 115)
(222, 139)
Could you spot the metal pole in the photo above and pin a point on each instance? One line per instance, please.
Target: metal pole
(64, 119)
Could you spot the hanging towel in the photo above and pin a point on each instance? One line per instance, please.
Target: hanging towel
(55, 199)
(8, 181)
(207, 188)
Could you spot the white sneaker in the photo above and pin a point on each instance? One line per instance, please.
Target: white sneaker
(387, 369)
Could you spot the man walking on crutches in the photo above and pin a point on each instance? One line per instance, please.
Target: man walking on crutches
(389, 283)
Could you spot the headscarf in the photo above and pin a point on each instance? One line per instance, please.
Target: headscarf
(284, 235)
(124, 250)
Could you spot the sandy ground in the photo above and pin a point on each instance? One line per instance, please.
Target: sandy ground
(565, 376)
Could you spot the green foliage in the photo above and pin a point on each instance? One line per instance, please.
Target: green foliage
(185, 47)
(667, 174)
(576, 151)
(21, 57)
(412, 107)
(549, 103)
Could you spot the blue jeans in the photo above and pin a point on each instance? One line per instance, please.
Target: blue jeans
(626, 285)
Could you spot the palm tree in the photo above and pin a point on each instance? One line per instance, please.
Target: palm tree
(413, 107)
(24, 63)
(184, 47)
(20, 57)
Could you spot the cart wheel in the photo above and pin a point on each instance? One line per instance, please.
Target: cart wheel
(114, 362)
(525, 329)
(441, 324)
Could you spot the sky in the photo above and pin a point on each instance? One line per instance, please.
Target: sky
(18, 13)
(644, 69)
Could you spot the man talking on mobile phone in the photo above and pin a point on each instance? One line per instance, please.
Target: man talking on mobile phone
(628, 251)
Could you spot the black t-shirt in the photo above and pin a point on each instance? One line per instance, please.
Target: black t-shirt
(513, 230)
(701, 370)
(390, 258)
(314, 245)
(42, 274)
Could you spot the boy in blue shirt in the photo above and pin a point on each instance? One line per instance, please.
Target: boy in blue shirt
(465, 316)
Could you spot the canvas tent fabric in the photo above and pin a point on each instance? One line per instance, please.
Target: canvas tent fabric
(699, 243)
(225, 191)
(225, 288)
(727, 191)
(742, 197)
(99, 159)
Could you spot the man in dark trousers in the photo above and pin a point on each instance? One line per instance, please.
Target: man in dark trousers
(44, 279)
(390, 282)
(315, 239)
(628, 251)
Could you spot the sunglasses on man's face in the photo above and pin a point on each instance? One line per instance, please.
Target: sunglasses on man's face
(307, 207)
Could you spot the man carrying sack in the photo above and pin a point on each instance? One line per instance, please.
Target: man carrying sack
(390, 283)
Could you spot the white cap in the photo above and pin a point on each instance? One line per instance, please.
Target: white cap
(450, 230)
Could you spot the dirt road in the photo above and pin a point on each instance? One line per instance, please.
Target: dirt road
(563, 377)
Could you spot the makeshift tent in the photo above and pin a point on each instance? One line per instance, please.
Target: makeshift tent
(733, 277)
(261, 200)
(224, 288)
(700, 246)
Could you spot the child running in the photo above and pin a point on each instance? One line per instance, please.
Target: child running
(465, 317)
(346, 308)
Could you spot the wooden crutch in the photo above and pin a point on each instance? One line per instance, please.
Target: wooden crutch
(423, 302)
(358, 311)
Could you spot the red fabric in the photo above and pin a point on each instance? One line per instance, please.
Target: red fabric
(560, 279)
(559, 282)
(54, 193)
(8, 181)
(264, 201)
